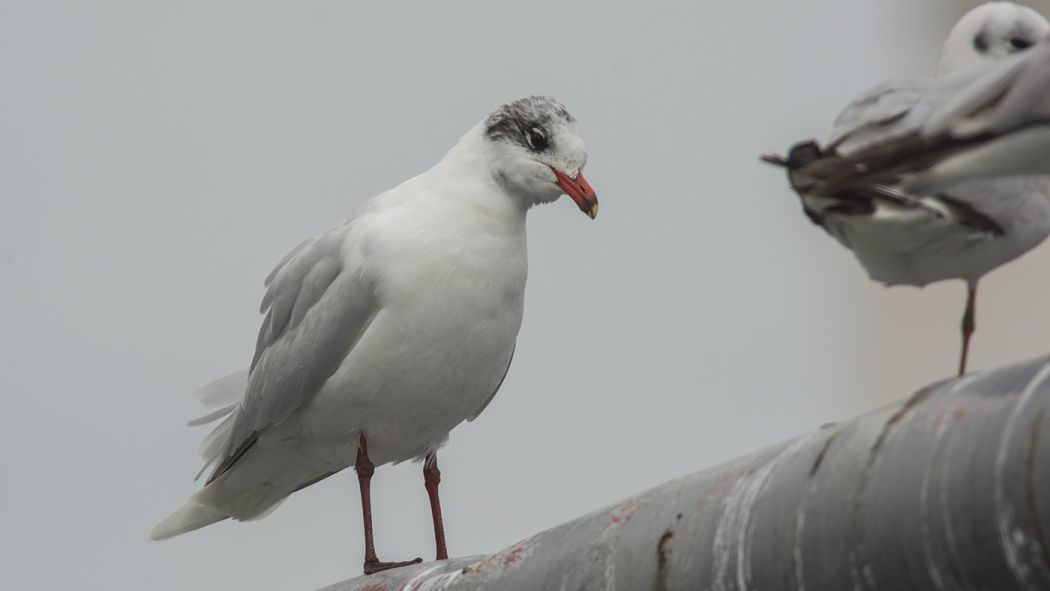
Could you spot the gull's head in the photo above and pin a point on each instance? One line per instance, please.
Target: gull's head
(990, 33)
(536, 151)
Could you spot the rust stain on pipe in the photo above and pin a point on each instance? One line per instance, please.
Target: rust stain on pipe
(820, 456)
(663, 562)
(912, 402)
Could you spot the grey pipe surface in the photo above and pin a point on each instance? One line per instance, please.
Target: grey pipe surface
(947, 490)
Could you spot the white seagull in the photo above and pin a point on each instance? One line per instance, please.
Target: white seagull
(939, 179)
(388, 330)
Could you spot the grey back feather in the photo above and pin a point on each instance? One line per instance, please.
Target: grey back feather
(893, 110)
(877, 114)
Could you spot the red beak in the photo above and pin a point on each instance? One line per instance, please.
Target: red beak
(580, 191)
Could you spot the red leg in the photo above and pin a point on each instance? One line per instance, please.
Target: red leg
(431, 479)
(969, 324)
(365, 468)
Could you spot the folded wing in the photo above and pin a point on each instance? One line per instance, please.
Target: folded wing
(318, 302)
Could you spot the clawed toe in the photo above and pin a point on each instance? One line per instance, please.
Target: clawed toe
(374, 566)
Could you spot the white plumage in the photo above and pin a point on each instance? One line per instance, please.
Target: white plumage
(398, 323)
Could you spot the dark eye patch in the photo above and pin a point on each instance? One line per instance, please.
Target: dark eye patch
(536, 138)
(1020, 43)
(512, 121)
(980, 42)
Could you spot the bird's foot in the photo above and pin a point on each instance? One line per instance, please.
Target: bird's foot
(374, 566)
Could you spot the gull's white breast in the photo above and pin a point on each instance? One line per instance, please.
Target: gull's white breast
(450, 280)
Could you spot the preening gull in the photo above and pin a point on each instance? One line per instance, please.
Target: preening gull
(943, 178)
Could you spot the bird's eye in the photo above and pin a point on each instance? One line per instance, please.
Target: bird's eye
(536, 139)
(980, 42)
(1020, 43)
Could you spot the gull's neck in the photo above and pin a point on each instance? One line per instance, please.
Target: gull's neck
(465, 176)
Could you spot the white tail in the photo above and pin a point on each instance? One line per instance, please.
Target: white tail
(189, 517)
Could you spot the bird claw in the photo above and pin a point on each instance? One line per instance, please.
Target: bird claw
(374, 566)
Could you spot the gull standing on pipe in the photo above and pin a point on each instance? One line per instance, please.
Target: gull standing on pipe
(932, 180)
(385, 332)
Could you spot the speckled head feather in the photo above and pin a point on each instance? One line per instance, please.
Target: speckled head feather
(534, 149)
(513, 121)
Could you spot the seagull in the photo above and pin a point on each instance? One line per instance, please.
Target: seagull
(391, 328)
(945, 178)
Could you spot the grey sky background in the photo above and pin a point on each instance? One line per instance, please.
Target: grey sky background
(157, 159)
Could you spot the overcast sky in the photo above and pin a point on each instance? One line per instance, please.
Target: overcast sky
(157, 159)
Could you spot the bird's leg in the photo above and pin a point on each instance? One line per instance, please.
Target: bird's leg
(968, 324)
(365, 468)
(431, 479)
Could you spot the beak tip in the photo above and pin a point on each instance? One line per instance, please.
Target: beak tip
(579, 190)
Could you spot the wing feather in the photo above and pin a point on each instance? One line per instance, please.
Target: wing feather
(318, 302)
(883, 112)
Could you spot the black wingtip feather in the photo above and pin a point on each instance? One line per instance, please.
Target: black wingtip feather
(774, 159)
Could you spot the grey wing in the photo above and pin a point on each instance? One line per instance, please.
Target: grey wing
(317, 305)
(889, 110)
(893, 133)
(485, 404)
(880, 135)
(1009, 205)
(950, 116)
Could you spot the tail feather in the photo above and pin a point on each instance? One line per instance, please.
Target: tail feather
(187, 518)
(214, 447)
(224, 392)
